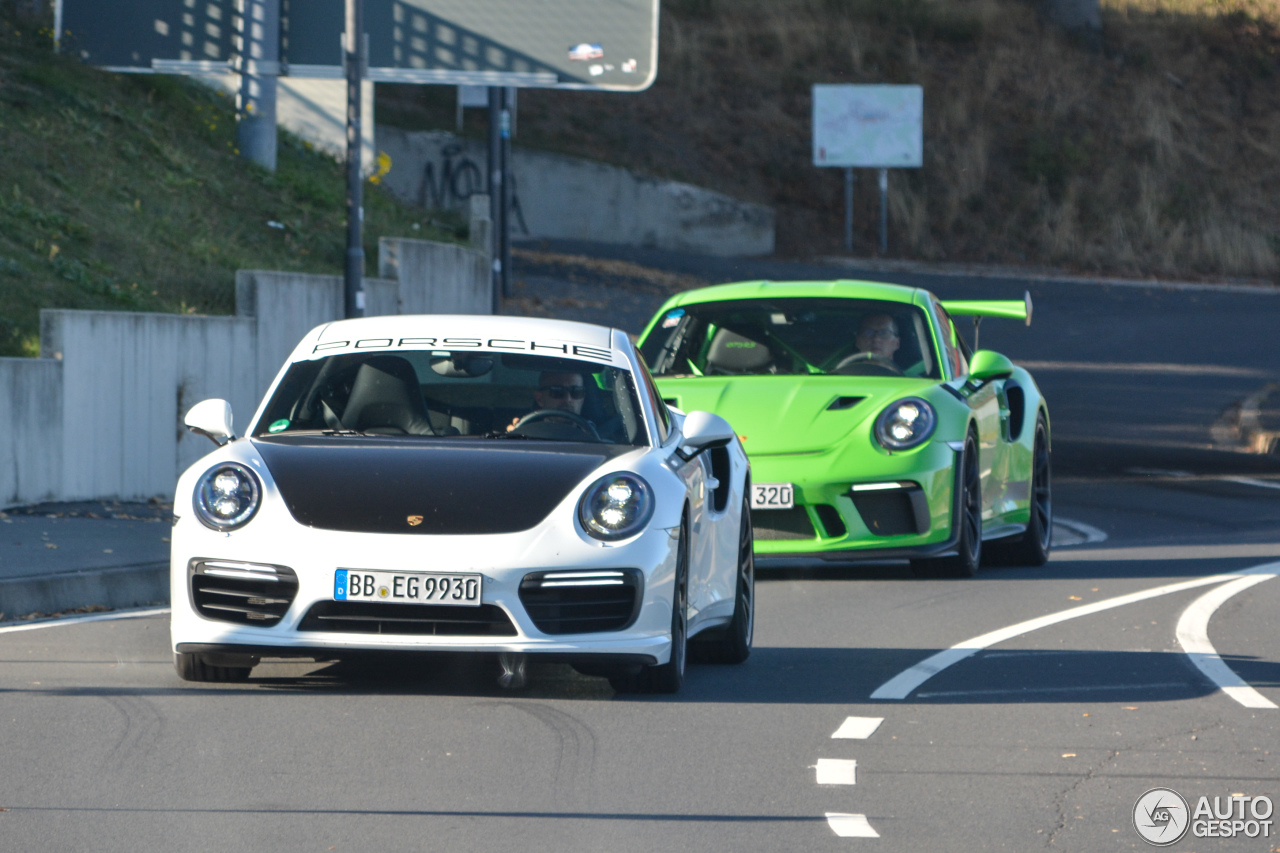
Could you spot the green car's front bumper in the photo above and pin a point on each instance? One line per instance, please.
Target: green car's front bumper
(885, 506)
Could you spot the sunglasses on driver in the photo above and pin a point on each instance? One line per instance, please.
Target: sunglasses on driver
(560, 392)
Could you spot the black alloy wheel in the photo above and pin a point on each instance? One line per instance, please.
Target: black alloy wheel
(732, 644)
(667, 677)
(964, 563)
(192, 667)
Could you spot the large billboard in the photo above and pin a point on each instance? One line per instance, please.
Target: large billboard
(868, 127)
(607, 45)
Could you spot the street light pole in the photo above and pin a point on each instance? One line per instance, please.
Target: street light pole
(354, 59)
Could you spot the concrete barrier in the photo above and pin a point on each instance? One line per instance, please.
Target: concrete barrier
(127, 381)
(437, 278)
(567, 198)
(31, 427)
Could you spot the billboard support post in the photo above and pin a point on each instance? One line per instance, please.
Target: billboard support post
(848, 209)
(495, 189)
(504, 228)
(259, 64)
(354, 55)
(884, 211)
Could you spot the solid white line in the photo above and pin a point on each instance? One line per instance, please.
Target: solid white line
(837, 771)
(1083, 688)
(77, 620)
(858, 728)
(1249, 481)
(1193, 636)
(1090, 533)
(851, 825)
(902, 684)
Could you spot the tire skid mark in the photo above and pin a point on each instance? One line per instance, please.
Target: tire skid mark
(575, 762)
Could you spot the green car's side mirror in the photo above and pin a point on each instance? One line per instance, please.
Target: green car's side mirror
(989, 364)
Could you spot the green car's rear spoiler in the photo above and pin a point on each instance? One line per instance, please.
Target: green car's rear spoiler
(1008, 308)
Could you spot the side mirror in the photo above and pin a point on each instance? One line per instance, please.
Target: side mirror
(212, 419)
(703, 431)
(989, 364)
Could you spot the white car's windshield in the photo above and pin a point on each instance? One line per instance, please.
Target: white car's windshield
(796, 336)
(447, 393)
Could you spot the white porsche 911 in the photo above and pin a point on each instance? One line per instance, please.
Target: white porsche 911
(496, 485)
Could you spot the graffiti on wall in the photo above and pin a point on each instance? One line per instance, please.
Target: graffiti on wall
(455, 178)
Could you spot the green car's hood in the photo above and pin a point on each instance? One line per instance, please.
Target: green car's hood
(790, 414)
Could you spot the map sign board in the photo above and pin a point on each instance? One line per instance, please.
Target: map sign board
(868, 127)
(609, 45)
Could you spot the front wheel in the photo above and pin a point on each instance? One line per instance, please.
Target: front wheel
(968, 518)
(667, 677)
(192, 667)
(1032, 547)
(732, 645)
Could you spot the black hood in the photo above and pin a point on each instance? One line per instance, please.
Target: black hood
(377, 485)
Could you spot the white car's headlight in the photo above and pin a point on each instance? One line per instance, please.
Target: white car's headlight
(227, 496)
(906, 424)
(616, 506)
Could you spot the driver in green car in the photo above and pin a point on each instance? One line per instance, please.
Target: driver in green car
(878, 336)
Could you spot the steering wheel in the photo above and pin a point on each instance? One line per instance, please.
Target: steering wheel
(539, 415)
(867, 364)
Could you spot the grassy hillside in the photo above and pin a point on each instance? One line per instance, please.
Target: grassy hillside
(125, 192)
(1155, 153)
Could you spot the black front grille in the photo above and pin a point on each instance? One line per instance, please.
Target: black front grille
(582, 602)
(893, 512)
(248, 593)
(373, 617)
(791, 523)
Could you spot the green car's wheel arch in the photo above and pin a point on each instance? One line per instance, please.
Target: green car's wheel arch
(967, 519)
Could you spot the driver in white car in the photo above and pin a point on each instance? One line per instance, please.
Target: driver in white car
(562, 391)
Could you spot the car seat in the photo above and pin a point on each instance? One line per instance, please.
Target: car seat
(386, 399)
(731, 353)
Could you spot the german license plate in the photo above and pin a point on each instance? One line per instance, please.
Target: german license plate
(772, 496)
(406, 587)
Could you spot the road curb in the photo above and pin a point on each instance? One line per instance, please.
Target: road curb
(118, 587)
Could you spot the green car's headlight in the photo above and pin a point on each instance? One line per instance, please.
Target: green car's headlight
(616, 506)
(906, 424)
(227, 496)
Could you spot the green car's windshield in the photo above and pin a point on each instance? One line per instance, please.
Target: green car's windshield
(792, 337)
(440, 394)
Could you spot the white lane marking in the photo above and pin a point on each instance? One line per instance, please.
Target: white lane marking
(1090, 533)
(902, 684)
(77, 620)
(837, 771)
(1083, 688)
(858, 728)
(1249, 481)
(851, 825)
(1193, 636)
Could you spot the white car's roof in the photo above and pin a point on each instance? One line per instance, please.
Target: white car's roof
(533, 335)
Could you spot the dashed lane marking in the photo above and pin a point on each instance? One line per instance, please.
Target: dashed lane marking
(904, 683)
(837, 771)
(858, 728)
(851, 825)
(1193, 636)
(77, 620)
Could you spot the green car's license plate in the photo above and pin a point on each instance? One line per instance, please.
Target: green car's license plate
(772, 496)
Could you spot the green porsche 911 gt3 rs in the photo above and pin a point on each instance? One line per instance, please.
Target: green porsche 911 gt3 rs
(872, 429)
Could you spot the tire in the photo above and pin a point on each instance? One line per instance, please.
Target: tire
(963, 564)
(668, 677)
(193, 667)
(1033, 546)
(732, 644)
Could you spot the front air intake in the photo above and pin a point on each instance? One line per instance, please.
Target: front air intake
(429, 620)
(247, 593)
(582, 602)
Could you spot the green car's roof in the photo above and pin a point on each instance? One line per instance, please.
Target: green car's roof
(843, 288)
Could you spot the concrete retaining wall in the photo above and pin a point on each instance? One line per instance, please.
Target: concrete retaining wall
(30, 429)
(567, 198)
(99, 415)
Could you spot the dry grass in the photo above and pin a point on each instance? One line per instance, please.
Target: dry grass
(1157, 154)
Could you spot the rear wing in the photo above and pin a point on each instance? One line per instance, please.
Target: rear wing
(1010, 309)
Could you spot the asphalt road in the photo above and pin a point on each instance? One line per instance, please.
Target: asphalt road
(1042, 736)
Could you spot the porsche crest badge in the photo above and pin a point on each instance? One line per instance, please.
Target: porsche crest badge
(414, 520)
